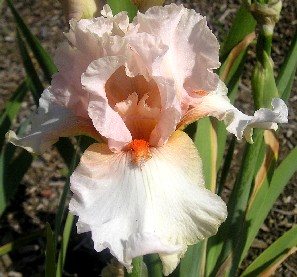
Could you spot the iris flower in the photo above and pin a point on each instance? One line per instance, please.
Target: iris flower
(134, 87)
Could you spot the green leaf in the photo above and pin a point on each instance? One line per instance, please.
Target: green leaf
(154, 265)
(266, 197)
(243, 24)
(226, 166)
(229, 234)
(11, 109)
(24, 240)
(40, 54)
(66, 150)
(137, 267)
(50, 257)
(11, 172)
(263, 82)
(205, 141)
(273, 255)
(231, 72)
(192, 264)
(12, 167)
(287, 72)
(36, 85)
(64, 245)
(61, 208)
(123, 5)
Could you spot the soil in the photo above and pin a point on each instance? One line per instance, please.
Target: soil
(36, 199)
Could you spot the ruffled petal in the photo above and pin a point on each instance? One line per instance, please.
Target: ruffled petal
(160, 207)
(192, 48)
(49, 123)
(107, 121)
(216, 104)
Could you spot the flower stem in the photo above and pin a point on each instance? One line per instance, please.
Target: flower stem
(137, 267)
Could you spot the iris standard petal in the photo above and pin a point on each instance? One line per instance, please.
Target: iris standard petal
(159, 207)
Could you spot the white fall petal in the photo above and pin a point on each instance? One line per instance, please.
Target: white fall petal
(160, 207)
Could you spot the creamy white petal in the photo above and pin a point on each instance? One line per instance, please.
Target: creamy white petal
(268, 119)
(160, 207)
(49, 123)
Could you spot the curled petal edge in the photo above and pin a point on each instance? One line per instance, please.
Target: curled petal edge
(216, 104)
(51, 122)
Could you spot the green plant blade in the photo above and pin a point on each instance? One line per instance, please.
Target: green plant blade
(41, 55)
(243, 24)
(61, 208)
(229, 233)
(192, 265)
(36, 85)
(66, 150)
(8, 247)
(287, 72)
(226, 166)
(266, 197)
(137, 267)
(274, 254)
(64, 245)
(230, 72)
(154, 265)
(207, 149)
(123, 5)
(50, 257)
(9, 176)
(11, 109)
(12, 167)
(263, 83)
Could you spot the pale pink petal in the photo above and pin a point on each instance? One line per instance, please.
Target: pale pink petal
(160, 207)
(66, 85)
(51, 122)
(120, 20)
(88, 40)
(170, 112)
(146, 52)
(107, 121)
(192, 48)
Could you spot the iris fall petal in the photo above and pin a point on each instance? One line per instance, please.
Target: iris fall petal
(160, 207)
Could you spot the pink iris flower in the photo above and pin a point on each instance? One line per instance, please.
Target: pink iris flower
(134, 87)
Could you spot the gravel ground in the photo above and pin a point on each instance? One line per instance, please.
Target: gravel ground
(33, 204)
